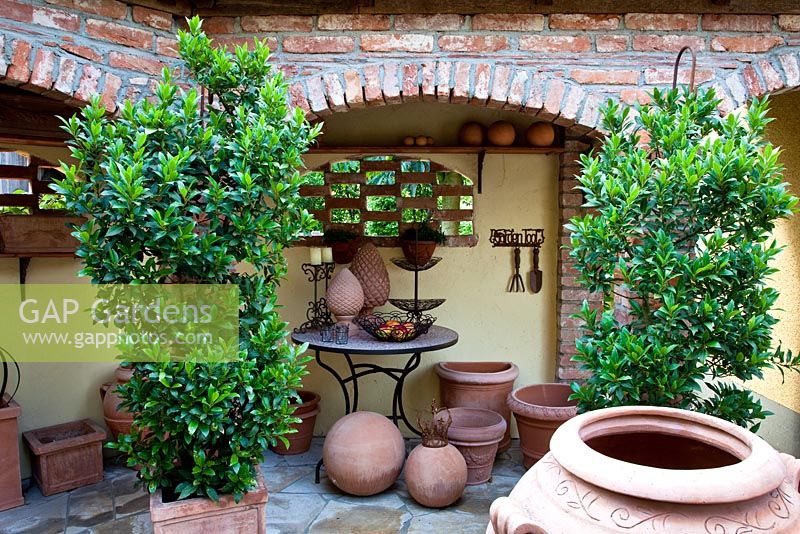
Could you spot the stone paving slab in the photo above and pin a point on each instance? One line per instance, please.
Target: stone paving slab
(296, 505)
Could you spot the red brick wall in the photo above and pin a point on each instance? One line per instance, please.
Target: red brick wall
(557, 67)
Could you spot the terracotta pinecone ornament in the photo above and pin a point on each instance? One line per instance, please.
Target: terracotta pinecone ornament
(345, 297)
(369, 269)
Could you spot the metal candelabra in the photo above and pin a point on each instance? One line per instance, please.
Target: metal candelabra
(317, 313)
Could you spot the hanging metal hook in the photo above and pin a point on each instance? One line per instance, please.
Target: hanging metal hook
(677, 63)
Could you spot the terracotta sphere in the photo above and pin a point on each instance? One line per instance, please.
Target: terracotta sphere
(408, 140)
(541, 134)
(502, 133)
(363, 453)
(430, 140)
(421, 140)
(471, 134)
(436, 476)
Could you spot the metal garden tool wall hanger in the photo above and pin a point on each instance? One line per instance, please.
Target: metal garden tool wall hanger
(528, 237)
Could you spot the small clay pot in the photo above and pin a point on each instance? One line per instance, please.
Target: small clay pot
(479, 385)
(539, 410)
(408, 140)
(307, 411)
(418, 252)
(502, 133)
(471, 134)
(540, 134)
(476, 432)
(435, 476)
(363, 453)
(344, 252)
(118, 419)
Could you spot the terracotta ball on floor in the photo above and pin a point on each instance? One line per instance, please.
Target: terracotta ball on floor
(363, 453)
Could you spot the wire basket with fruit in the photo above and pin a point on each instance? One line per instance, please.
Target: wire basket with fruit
(395, 326)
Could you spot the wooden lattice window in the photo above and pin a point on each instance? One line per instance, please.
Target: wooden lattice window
(378, 197)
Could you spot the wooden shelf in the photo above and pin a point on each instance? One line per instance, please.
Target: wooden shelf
(37, 255)
(388, 150)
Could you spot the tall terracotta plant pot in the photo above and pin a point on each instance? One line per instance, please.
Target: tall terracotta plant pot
(476, 432)
(539, 410)
(118, 419)
(478, 385)
(307, 411)
(204, 516)
(10, 477)
(418, 252)
(651, 469)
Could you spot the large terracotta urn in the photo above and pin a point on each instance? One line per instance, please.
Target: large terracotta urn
(478, 385)
(640, 469)
(476, 432)
(539, 410)
(363, 453)
(307, 411)
(118, 419)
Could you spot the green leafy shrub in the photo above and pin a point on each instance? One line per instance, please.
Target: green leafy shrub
(175, 195)
(336, 235)
(423, 232)
(679, 230)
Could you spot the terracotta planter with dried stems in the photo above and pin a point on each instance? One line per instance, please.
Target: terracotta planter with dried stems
(307, 411)
(478, 385)
(204, 516)
(66, 456)
(539, 410)
(653, 469)
(10, 478)
(476, 433)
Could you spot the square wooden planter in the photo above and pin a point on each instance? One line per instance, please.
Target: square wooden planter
(204, 516)
(10, 477)
(66, 456)
(37, 234)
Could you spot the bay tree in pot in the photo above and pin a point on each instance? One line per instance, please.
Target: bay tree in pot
(678, 242)
(178, 194)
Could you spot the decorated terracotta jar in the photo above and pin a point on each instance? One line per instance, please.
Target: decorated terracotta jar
(640, 469)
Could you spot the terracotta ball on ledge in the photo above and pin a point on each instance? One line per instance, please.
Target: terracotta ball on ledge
(471, 134)
(363, 453)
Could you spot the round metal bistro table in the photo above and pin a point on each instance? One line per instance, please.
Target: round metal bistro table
(361, 343)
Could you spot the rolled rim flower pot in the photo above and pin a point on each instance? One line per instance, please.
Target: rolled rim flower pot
(653, 469)
(476, 432)
(300, 441)
(418, 252)
(10, 478)
(118, 419)
(539, 410)
(479, 385)
(201, 515)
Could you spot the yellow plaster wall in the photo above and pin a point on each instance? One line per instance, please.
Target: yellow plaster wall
(784, 131)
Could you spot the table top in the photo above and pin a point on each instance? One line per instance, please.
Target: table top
(360, 342)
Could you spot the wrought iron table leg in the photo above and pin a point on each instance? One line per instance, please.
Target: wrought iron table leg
(353, 379)
(345, 394)
(397, 401)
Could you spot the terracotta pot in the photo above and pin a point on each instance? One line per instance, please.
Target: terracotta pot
(204, 516)
(478, 385)
(435, 476)
(476, 433)
(540, 134)
(363, 453)
(501, 133)
(66, 456)
(539, 410)
(300, 441)
(471, 134)
(118, 419)
(344, 252)
(10, 477)
(418, 252)
(650, 469)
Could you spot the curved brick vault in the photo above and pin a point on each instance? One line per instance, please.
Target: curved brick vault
(557, 67)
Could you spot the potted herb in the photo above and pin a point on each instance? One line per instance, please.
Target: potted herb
(419, 242)
(10, 477)
(343, 243)
(147, 180)
(678, 243)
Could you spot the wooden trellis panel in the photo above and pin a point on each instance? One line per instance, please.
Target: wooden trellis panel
(431, 175)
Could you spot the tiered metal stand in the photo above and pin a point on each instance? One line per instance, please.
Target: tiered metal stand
(416, 306)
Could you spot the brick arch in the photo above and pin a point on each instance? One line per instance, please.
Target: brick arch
(500, 86)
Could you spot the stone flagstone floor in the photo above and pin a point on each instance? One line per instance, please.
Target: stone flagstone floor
(296, 504)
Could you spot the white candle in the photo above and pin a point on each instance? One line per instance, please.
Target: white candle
(327, 255)
(315, 256)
